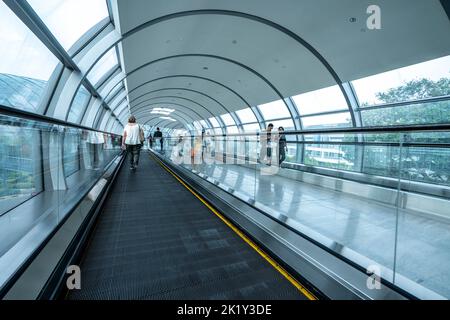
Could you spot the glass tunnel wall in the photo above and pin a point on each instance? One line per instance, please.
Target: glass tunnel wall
(86, 80)
(365, 196)
(46, 168)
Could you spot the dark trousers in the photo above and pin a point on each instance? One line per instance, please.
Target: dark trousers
(134, 150)
(282, 155)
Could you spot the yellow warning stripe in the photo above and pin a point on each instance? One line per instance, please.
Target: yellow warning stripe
(279, 268)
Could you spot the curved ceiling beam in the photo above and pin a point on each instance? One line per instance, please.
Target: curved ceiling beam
(169, 104)
(257, 74)
(176, 97)
(255, 18)
(194, 77)
(177, 113)
(184, 89)
(160, 123)
(180, 119)
(245, 16)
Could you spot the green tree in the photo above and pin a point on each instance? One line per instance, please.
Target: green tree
(416, 90)
(424, 113)
(421, 164)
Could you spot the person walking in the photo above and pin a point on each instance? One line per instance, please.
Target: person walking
(158, 136)
(133, 139)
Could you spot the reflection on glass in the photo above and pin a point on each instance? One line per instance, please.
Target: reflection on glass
(68, 20)
(379, 219)
(19, 162)
(71, 155)
(25, 64)
(45, 170)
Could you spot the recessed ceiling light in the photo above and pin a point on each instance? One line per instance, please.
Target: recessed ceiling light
(352, 19)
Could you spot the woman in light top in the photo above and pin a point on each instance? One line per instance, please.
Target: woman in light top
(132, 137)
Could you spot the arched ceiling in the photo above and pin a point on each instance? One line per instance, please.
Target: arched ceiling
(212, 57)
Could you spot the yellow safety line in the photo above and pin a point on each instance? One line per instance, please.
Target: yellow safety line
(279, 268)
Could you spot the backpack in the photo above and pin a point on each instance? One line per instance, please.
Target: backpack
(141, 135)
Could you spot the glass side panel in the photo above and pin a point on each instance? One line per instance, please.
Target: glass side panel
(204, 124)
(79, 103)
(246, 115)
(30, 210)
(114, 92)
(227, 119)
(274, 110)
(287, 124)
(323, 100)
(25, 64)
(253, 127)
(232, 129)
(105, 64)
(424, 113)
(214, 122)
(68, 20)
(327, 121)
(423, 80)
(20, 163)
(71, 156)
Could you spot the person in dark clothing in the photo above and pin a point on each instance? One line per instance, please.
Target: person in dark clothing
(282, 145)
(266, 145)
(150, 141)
(158, 135)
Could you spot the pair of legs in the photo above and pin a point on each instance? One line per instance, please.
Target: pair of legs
(265, 155)
(134, 151)
(282, 154)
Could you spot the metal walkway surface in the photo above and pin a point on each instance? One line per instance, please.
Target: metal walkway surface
(156, 240)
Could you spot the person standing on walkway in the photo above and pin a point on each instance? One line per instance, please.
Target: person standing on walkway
(158, 136)
(265, 155)
(282, 145)
(132, 141)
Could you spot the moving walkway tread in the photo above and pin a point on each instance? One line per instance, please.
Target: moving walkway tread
(155, 240)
